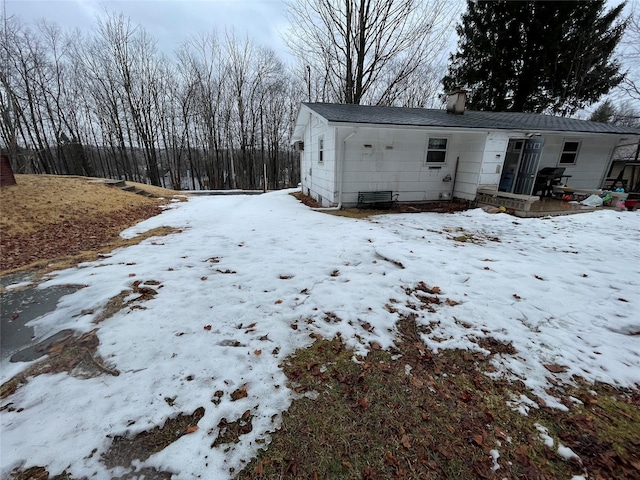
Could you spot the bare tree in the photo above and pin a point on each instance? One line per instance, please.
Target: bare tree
(365, 50)
(109, 104)
(631, 54)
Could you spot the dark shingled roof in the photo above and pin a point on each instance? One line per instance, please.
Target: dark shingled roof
(424, 117)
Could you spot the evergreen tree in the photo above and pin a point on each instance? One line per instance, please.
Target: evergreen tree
(604, 113)
(621, 114)
(536, 56)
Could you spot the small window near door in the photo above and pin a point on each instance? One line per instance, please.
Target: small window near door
(320, 150)
(569, 152)
(436, 150)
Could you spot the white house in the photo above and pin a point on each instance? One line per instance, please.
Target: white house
(427, 154)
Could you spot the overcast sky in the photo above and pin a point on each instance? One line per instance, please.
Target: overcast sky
(168, 21)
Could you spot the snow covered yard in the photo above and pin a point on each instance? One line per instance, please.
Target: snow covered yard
(251, 279)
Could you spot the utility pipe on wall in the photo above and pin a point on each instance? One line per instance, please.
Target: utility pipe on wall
(455, 175)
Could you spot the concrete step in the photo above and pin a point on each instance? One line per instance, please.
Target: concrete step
(122, 185)
(109, 182)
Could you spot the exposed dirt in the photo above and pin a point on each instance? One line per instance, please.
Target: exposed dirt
(417, 207)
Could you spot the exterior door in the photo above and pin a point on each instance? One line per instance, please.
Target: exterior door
(532, 151)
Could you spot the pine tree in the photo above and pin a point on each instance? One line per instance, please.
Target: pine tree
(604, 113)
(536, 56)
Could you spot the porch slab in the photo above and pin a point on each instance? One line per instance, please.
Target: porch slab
(495, 198)
(526, 206)
(552, 207)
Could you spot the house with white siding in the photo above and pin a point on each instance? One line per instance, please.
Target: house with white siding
(429, 154)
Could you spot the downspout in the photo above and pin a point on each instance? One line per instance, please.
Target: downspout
(455, 175)
(340, 183)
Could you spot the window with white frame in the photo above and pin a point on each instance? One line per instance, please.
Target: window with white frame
(436, 150)
(320, 149)
(569, 154)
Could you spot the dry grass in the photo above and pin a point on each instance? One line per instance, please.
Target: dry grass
(38, 201)
(60, 220)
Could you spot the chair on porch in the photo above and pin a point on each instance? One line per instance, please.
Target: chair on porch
(546, 179)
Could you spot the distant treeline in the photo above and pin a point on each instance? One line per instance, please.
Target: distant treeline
(110, 105)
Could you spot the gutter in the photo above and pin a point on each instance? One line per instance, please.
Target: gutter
(344, 152)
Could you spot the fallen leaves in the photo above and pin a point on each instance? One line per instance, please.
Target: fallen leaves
(230, 432)
(555, 368)
(86, 232)
(478, 440)
(239, 393)
(363, 403)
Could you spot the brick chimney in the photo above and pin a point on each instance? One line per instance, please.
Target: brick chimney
(456, 101)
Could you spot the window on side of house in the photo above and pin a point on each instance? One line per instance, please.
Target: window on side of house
(321, 150)
(437, 150)
(569, 154)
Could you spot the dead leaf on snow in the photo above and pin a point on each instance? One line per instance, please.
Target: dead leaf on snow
(240, 393)
(555, 368)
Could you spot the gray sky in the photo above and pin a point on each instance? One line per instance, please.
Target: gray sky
(170, 22)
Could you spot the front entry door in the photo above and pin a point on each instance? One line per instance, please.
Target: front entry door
(532, 151)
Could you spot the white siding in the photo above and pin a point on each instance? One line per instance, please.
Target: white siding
(319, 179)
(592, 161)
(394, 159)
